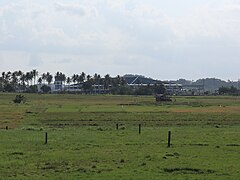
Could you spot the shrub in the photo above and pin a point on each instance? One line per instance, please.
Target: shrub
(19, 98)
(45, 89)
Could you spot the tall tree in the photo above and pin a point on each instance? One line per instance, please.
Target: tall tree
(29, 77)
(60, 77)
(14, 80)
(40, 80)
(49, 78)
(74, 78)
(34, 74)
(23, 79)
(82, 77)
(68, 82)
(107, 81)
(44, 77)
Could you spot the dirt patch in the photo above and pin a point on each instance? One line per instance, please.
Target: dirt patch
(188, 171)
(213, 109)
(199, 144)
(17, 153)
(233, 145)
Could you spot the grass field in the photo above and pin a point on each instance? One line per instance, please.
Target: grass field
(83, 142)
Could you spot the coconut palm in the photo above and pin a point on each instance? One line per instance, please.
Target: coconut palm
(40, 80)
(74, 78)
(49, 78)
(29, 77)
(44, 77)
(34, 73)
(107, 81)
(68, 82)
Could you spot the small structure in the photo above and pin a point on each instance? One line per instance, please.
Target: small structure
(162, 97)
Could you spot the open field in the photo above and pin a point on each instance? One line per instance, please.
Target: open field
(83, 141)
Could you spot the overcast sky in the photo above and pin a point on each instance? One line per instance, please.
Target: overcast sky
(163, 39)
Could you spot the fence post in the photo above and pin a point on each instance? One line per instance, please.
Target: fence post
(169, 138)
(46, 138)
(117, 126)
(139, 130)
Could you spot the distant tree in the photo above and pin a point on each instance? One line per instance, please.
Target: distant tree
(74, 78)
(233, 90)
(45, 89)
(8, 88)
(1, 83)
(32, 89)
(14, 80)
(83, 76)
(63, 78)
(159, 89)
(143, 90)
(226, 90)
(22, 82)
(60, 77)
(3, 75)
(107, 81)
(68, 82)
(49, 78)
(29, 77)
(44, 77)
(34, 73)
(40, 80)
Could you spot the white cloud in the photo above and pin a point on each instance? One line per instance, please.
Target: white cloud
(118, 34)
(74, 9)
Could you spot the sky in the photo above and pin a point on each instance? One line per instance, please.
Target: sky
(162, 39)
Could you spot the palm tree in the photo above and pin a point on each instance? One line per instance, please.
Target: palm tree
(22, 80)
(68, 82)
(44, 77)
(88, 77)
(95, 80)
(3, 75)
(80, 79)
(40, 80)
(83, 76)
(49, 78)
(8, 76)
(29, 77)
(1, 83)
(99, 81)
(34, 73)
(107, 81)
(14, 80)
(87, 85)
(62, 79)
(74, 78)
(19, 74)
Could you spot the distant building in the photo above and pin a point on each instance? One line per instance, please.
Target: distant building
(173, 88)
(192, 90)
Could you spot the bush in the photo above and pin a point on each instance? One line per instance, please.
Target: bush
(32, 89)
(8, 88)
(19, 98)
(45, 89)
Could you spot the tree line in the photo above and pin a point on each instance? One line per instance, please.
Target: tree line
(228, 90)
(29, 82)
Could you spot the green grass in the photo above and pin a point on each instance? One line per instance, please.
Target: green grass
(83, 142)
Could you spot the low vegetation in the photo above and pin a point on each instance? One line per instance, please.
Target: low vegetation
(84, 143)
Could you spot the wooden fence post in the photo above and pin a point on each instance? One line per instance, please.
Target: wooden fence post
(169, 138)
(117, 126)
(139, 130)
(46, 138)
